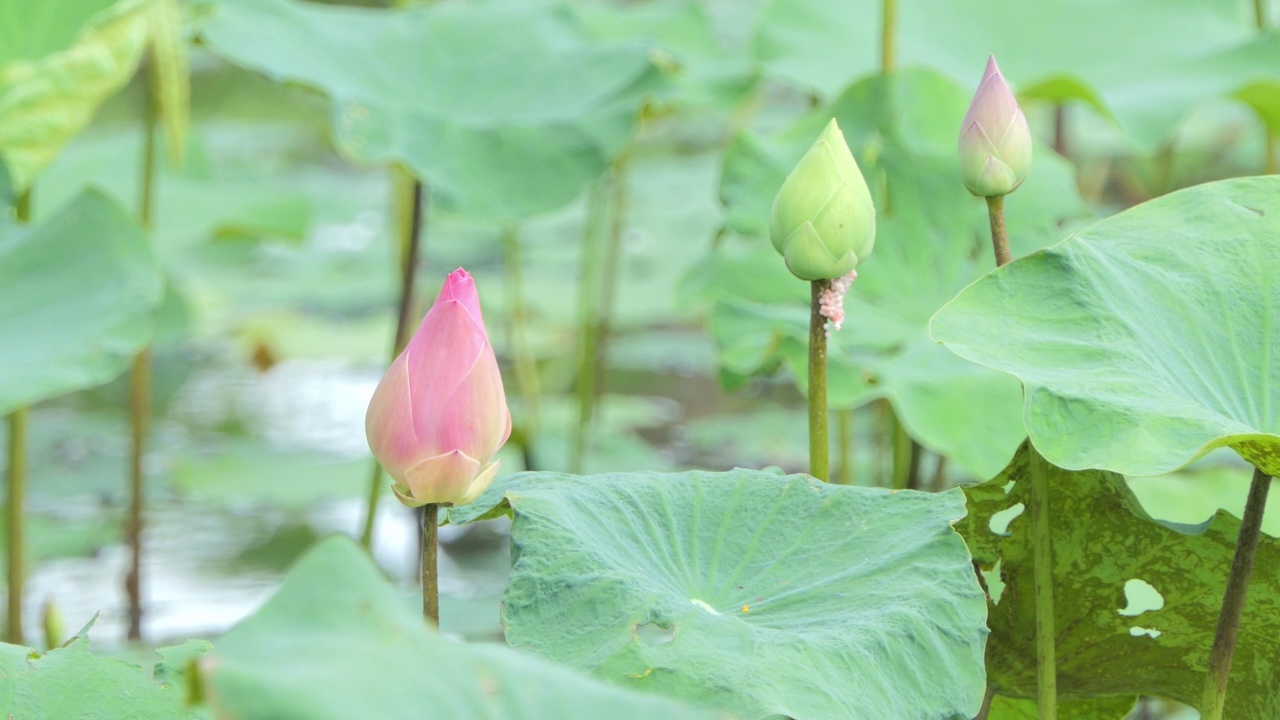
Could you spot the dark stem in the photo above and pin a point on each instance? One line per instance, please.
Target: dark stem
(410, 242)
(430, 569)
(589, 311)
(1042, 557)
(940, 475)
(1260, 14)
(1060, 129)
(1224, 640)
(902, 453)
(999, 238)
(888, 32)
(140, 385)
(819, 443)
(15, 504)
(844, 442)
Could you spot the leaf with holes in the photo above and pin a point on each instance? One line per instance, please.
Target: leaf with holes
(1146, 340)
(932, 240)
(508, 110)
(748, 591)
(77, 296)
(58, 62)
(1136, 601)
(364, 652)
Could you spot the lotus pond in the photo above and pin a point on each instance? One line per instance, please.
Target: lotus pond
(769, 430)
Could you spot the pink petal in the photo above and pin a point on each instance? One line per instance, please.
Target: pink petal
(461, 287)
(439, 357)
(475, 419)
(388, 423)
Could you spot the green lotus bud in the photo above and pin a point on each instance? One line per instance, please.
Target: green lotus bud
(823, 222)
(995, 142)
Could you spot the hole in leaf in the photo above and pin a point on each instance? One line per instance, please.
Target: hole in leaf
(1140, 631)
(999, 522)
(1008, 487)
(1141, 597)
(995, 584)
(653, 634)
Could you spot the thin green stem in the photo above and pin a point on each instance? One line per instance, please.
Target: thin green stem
(903, 453)
(999, 238)
(844, 444)
(888, 35)
(612, 261)
(1224, 640)
(430, 563)
(410, 198)
(140, 381)
(16, 492)
(1260, 14)
(819, 442)
(588, 310)
(526, 361)
(15, 504)
(1269, 139)
(1042, 557)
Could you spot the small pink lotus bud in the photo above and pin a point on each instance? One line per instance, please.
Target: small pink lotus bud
(995, 142)
(439, 415)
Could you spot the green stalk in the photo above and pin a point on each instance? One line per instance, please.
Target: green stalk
(15, 503)
(1270, 140)
(525, 361)
(1042, 556)
(16, 500)
(140, 384)
(1060, 128)
(1260, 14)
(888, 35)
(1224, 640)
(819, 442)
(999, 238)
(430, 558)
(844, 443)
(612, 260)
(588, 309)
(904, 455)
(409, 200)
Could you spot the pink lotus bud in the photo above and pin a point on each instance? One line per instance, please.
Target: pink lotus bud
(439, 415)
(995, 142)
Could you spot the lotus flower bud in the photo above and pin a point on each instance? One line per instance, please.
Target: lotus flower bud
(823, 222)
(995, 142)
(439, 415)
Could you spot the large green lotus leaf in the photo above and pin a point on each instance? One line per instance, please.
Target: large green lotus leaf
(69, 682)
(336, 641)
(932, 239)
(753, 592)
(77, 296)
(1191, 51)
(1136, 600)
(1145, 340)
(58, 62)
(506, 109)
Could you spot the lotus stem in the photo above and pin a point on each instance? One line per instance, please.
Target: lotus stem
(999, 237)
(819, 443)
(903, 452)
(140, 384)
(430, 568)
(888, 35)
(526, 361)
(410, 198)
(1042, 557)
(1260, 14)
(588, 309)
(1224, 640)
(612, 261)
(1060, 128)
(15, 504)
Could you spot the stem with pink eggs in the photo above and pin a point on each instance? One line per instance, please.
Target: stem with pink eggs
(819, 441)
